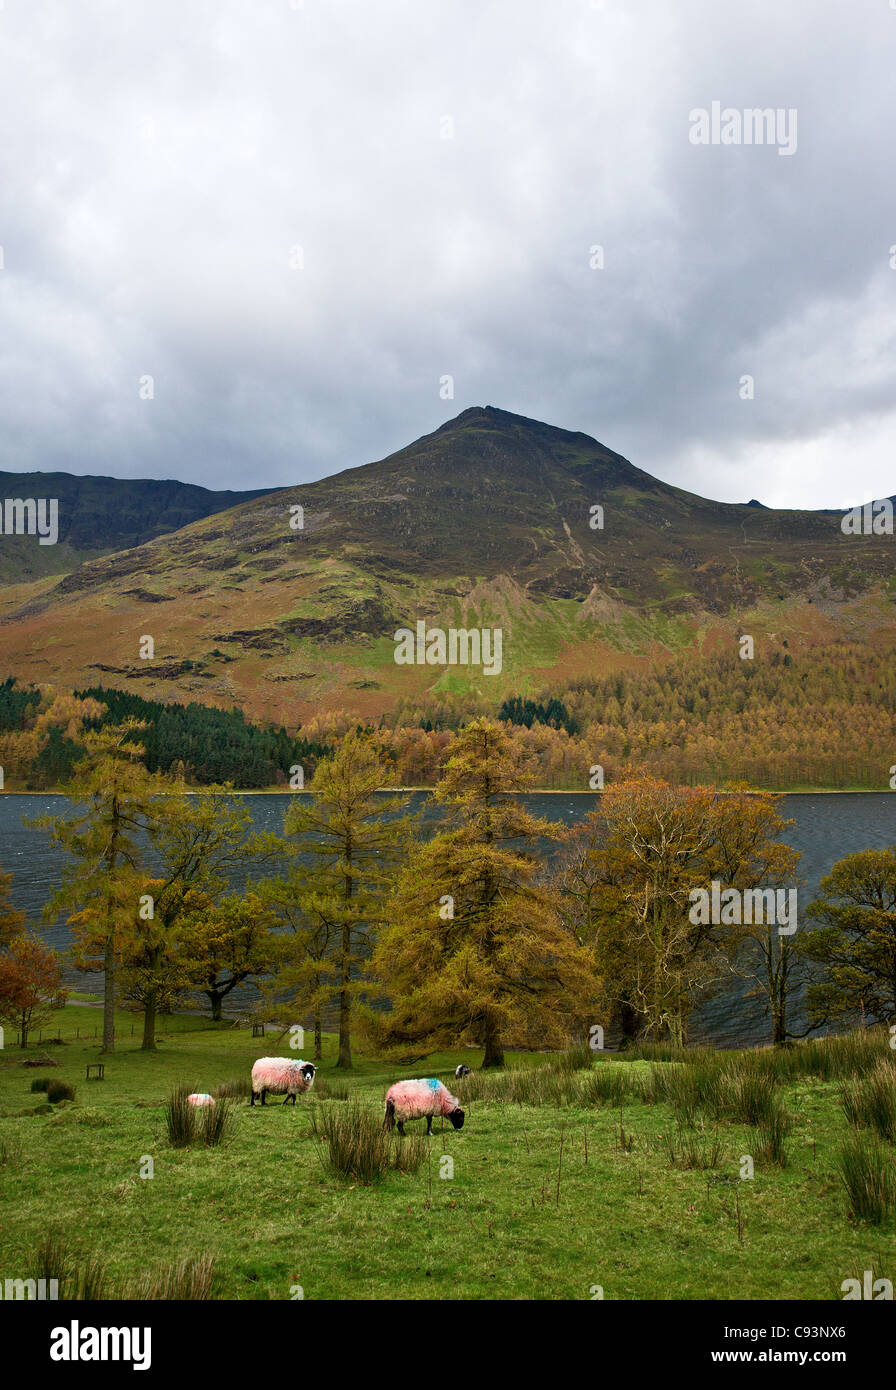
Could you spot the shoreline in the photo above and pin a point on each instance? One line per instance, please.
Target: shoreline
(532, 791)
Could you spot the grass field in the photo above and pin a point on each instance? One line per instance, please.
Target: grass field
(618, 1208)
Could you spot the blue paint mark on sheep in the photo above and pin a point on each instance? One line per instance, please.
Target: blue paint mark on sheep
(432, 1084)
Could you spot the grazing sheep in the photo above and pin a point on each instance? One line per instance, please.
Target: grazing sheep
(462, 1070)
(416, 1100)
(200, 1098)
(279, 1074)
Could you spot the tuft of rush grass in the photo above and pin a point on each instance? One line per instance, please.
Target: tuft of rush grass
(330, 1090)
(237, 1088)
(773, 1126)
(59, 1090)
(215, 1123)
(866, 1171)
(180, 1118)
(688, 1151)
(870, 1101)
(358, 1147)
(188, 1279)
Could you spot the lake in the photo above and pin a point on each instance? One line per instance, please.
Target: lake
(826, 827)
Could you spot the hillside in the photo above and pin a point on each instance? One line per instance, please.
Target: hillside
(484, 522)
(99, 515)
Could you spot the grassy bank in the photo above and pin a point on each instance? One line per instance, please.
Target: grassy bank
(623, 1174)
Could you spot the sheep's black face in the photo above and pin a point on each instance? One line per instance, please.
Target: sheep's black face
(308, 1071)
(457, 1118)
(462, 1071)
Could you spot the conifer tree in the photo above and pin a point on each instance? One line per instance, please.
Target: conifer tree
(475, 948)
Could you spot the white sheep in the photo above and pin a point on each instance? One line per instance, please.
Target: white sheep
(417, 1100)
(279, 1074)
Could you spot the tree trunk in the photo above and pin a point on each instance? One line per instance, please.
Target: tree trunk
(344, 1059)
(24, 1031)
(345, 1005)
(494, 1048)
(215, 997)
(109, 995)
(318, 1037)
(149, 1025)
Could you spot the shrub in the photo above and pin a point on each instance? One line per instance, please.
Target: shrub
(40, 1083)
(867, 1174)
(39, 1062)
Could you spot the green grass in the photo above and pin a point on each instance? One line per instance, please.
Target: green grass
(562, 1179)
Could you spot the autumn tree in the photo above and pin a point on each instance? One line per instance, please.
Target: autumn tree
(227, 943)
(105, 839)
(855, 941)
(307, 970)
(346, 843)
(30, 984)
(200, 843)
(475, 947)
(12, 922)
(628, 886)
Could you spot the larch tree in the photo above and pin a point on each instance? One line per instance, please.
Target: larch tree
(476, 949)
(105, 839)
(347, 843)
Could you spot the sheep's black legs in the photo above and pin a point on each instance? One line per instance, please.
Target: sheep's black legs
(429, 1124)
(401, 1127)
(263, 1094)
(286, 1102)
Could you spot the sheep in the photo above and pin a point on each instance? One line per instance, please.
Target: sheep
(462, 1071)
(279, 1074)
(200, 1098)
(416, 1100)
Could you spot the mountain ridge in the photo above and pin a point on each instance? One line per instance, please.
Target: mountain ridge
(487, 520)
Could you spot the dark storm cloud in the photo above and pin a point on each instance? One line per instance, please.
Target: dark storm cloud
(160, 162)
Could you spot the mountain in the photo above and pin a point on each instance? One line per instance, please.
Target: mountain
(99, 515)
(485, 522)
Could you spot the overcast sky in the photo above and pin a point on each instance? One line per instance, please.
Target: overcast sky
(446, 167)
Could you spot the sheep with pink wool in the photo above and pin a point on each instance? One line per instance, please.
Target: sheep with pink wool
(279, 1074)
(418, 1100)
(200, 1098)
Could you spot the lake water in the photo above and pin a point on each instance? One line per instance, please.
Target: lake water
(826, 828)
